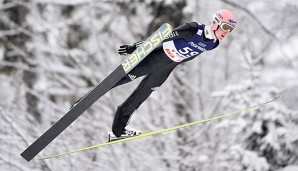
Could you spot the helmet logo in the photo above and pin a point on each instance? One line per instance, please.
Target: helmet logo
(230, 21)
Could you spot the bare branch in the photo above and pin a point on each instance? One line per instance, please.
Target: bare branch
(267, 31)
(10, 122)
(74, 2)
(11, 163)
(7, 6)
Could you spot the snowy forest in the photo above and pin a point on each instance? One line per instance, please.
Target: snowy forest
(52, 52)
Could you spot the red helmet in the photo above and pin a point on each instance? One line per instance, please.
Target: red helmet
(224, 19)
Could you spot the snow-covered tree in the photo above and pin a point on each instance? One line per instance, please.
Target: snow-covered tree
(53, 52)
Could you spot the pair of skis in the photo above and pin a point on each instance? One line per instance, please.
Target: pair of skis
(125, 67)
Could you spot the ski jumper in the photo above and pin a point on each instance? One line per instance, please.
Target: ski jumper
(184, 44)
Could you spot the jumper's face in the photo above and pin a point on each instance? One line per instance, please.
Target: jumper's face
(220, 34)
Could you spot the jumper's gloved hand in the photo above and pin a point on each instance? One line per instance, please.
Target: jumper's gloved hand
(128, 49)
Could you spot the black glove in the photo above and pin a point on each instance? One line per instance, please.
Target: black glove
(128, 49)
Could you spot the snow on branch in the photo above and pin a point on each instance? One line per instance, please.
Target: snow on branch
(265, 29)
(64, 2)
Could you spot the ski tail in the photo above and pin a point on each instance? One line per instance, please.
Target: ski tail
(163, 130)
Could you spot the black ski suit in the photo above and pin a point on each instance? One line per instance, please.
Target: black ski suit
(156, 68)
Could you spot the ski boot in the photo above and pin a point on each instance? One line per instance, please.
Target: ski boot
(127, 132)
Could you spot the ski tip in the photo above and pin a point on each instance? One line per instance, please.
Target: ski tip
(168, 25)
(278, 96)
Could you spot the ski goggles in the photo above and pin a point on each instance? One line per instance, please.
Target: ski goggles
(226, 27)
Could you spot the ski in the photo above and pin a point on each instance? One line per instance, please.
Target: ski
(162, 130)
(127, 65)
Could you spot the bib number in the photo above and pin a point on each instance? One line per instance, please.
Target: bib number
(187, 52)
